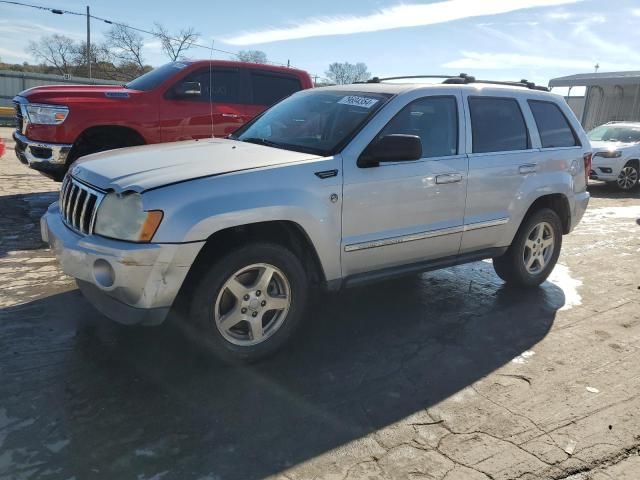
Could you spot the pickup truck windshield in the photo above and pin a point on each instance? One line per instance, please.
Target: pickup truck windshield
(155, 77)
(315, 121)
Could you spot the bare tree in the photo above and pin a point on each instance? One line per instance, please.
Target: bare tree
(252, 56)
(344, 73)
(174, 46)
(125, 45)
(55, 50)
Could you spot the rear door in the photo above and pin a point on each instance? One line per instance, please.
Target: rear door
(501, 158)
(185, 117)
(267, 88)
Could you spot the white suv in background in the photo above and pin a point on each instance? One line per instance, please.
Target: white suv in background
(616, 153)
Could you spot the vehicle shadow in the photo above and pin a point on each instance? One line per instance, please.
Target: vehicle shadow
(20, 220)
(606, 190)
(137, 402)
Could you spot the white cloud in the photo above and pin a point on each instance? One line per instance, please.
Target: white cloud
(505, 61)
(28, 28)
(560, 15)
(399, 16)
(635, 12)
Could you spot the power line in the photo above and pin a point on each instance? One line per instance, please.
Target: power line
(60, 11)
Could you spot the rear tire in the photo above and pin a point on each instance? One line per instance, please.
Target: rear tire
(534, 251)
(250, 302)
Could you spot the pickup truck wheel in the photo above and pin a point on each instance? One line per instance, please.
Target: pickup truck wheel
(534, 251)
(250, 302)
(628, 178)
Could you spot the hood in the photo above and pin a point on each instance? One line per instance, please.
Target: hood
(600, 146)
(150, 166)
(66, 94)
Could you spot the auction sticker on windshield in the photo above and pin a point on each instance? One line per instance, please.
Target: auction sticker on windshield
(358, 101)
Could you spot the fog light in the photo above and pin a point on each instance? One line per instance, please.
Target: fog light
(103, 273)
(605, 170)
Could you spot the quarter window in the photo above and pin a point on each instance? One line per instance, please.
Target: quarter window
(553, 127)
(269, 88)
(434, 120)
(497, 125)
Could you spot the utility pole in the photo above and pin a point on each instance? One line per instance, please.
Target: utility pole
(89, 40)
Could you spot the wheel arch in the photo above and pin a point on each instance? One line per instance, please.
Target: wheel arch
(91, 134)
(282, 232)
(558, 202)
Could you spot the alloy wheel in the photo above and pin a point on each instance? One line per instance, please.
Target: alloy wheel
(628, 178)
(252, 304)
(538, 248)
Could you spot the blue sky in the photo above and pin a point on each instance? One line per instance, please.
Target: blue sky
(499, 39)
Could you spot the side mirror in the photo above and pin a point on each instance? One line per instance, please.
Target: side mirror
(391, 148)
(189, 89)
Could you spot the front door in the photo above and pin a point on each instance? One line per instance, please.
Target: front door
(409, 211)
(187, 115)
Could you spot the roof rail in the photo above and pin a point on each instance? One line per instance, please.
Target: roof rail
(463, 79)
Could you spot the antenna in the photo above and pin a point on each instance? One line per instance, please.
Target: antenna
(211, 88)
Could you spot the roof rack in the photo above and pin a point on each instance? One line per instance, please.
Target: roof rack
(463, 79)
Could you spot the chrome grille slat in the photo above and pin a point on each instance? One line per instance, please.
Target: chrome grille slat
(79, 205)
(84, 211)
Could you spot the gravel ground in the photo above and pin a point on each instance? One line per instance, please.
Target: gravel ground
(447, 375)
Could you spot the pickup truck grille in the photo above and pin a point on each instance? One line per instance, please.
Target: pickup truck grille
(79, 205)
(19, 119)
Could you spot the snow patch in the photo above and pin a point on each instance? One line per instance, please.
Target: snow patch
(561, 278)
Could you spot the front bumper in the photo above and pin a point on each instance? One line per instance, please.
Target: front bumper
(606, 169)
(48, 158)
(130, 283)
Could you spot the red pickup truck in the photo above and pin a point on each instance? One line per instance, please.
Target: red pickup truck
(178, 101)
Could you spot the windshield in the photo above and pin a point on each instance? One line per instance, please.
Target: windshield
(155, 77)
(613, 133)
(314, 121)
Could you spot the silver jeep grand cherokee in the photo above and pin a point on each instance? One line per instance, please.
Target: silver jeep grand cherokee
(330, 187)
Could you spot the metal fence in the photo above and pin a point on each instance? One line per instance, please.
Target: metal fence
(12, 83)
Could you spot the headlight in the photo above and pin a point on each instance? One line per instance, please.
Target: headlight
(46, 114)
(121, 216)
(609, 154)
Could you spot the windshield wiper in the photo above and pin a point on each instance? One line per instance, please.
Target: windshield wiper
(261, 141)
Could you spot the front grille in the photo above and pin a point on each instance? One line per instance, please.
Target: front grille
(19, 119)
(79, 205)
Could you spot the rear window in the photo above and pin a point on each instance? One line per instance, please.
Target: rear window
(553, 126)
(497, 125)
(269, 88)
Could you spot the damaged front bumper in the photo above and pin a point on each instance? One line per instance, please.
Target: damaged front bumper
(131, 283)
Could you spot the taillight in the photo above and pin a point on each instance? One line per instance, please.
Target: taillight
(587, 166)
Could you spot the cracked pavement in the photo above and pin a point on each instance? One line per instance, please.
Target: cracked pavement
(447, 375)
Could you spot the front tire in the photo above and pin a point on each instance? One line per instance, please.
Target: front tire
(629, 176)
(250, 302)
(534, 251)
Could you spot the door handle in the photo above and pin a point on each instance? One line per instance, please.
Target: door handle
(527, 168)
(230, 115)
(448, 178)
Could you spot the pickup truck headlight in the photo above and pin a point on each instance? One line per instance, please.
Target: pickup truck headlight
(122, 217)
(46, 114)
(609, 154)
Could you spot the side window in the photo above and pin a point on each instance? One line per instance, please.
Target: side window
(226, 86)
(269, 88)
(553, 127)
(434, 120)
(497, 125)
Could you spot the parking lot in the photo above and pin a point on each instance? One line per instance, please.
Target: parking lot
(447, 375)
